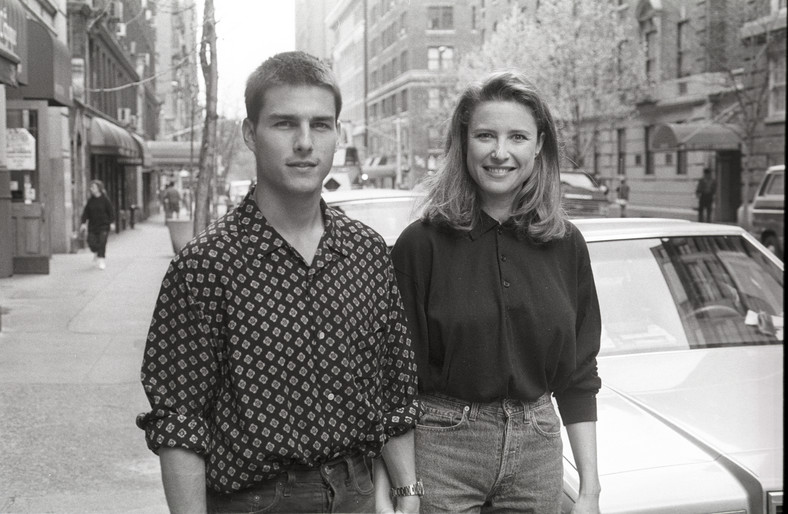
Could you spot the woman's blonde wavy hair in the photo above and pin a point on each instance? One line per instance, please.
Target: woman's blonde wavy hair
(453, 197)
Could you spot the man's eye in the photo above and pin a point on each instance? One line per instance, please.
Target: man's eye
(321, 126)
(284, 124)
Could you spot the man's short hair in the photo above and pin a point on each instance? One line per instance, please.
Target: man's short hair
(289, 69)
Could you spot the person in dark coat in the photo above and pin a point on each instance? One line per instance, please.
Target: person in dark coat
(97, 217)
(705, 191)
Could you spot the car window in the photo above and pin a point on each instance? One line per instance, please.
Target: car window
(683, 293)
(775, 185)
(578, 180)
(387, 217)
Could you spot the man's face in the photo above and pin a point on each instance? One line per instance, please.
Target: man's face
(294, 139)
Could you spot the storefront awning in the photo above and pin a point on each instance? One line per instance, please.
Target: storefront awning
(13, 43)
(106, 138)
(49, 72)
(174, 154)
(147, 160)
(694, 136)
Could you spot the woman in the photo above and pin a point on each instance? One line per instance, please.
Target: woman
(503, 311)
(97, 218)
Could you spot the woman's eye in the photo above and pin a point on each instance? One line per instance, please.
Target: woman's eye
(484, 135)
(519, 138)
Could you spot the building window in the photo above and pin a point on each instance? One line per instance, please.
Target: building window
(622, 151)
(403, 102)
(682, 47)
(440, 58)
(473, 17)
(777, 86)
(638, 159)
(403, 61)
(669, 159)
(649, 31)
(649, 154)
(433, 98)
(681, 162)
(440, 18)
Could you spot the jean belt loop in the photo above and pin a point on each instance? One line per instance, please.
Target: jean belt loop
(473, 411)
(351, 472)
(289, 483)
(526, 410)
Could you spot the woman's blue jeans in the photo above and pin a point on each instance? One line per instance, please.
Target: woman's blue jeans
(504, 456)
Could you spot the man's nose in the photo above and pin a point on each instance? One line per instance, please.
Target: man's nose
(303, 140)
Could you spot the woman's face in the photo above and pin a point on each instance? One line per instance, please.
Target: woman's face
(94, 190)
(503, 143)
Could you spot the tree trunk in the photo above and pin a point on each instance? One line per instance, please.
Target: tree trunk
(210, 73)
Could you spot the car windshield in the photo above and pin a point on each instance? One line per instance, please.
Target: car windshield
(580, 180)
(685, 293)
(388, 217)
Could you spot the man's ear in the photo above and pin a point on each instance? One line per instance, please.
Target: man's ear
(247, 129)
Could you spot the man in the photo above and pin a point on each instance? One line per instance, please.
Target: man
(172, 201)
(705, 191)
(278, 360)
(622, 191)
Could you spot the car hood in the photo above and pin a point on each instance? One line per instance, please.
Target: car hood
(687, 407)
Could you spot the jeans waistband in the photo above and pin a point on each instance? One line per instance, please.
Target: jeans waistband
(507, 407)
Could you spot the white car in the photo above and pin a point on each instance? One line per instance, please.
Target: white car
(691, 361)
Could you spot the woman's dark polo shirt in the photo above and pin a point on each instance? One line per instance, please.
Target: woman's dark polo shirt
(496, 316)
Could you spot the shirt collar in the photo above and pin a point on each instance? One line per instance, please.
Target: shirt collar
(260, 232)
(484, 225)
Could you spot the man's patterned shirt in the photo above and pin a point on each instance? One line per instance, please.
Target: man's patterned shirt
(256, 360)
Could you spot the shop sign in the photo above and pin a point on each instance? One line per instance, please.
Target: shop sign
(20, 147)
(8, 34)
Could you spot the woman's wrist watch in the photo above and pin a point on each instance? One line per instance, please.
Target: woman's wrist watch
(415, 489)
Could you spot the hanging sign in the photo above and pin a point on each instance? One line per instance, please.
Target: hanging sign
(20, 147)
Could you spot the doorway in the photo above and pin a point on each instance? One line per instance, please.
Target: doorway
(728, 173)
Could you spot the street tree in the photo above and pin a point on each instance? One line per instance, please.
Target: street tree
(744, 47)
(207, 171)
(583, 55)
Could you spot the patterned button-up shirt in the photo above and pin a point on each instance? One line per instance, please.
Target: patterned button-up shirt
(257, 360)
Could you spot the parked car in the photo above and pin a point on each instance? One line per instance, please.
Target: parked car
(581, 196)
(387, 211)
(767, 211)
(691, 407)
(381, 170)
(345, 171)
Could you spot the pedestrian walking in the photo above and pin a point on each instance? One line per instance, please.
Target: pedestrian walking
(97, 219)
(707, 188)
(278, 363)
(172, 201)
(622, 196)
(503, 312)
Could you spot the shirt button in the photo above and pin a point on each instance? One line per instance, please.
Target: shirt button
(506, 283)
(321, 335)
(330, 396)
(500, 230)
(503, 258)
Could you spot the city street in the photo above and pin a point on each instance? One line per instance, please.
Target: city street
(70, 351)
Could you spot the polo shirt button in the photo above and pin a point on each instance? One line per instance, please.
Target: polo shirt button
(330, 396)
(321, 335)
(506, 283)
(503, 258)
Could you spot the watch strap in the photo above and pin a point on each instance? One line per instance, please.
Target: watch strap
(415, 489)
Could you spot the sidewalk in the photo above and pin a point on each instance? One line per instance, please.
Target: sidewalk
(70, 351)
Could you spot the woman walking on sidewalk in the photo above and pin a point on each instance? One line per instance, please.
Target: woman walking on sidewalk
(97, 218)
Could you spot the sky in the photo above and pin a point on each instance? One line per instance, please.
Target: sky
(248, 32)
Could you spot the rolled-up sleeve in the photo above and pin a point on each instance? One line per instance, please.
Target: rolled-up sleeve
(180, 366)
(399, 382)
